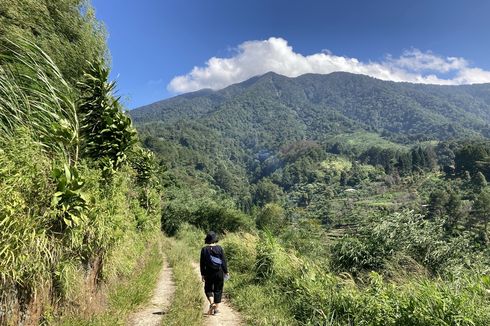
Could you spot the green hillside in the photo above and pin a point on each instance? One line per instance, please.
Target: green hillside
(80, 205)
(315, 106)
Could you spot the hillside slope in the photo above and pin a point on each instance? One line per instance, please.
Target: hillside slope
(312, 106)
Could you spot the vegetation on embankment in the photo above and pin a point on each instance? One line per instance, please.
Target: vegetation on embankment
(139, 262)
(79, 198)
(312, 293)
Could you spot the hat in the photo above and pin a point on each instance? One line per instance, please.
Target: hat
(211, 238)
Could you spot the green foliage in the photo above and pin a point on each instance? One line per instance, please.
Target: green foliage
(266, 192)
(424, 241)
(141, 281)
(200, 208)
(471, 156)
(131, 273)
(375, 234)
(35, 97)
(68, 199)
(260, 304)
(25, 250)
(213, 216)
(479, 181)
(66, 30)
(57, 222)
(186, 308)
(272, 110)
(271, 217)
(481, 211)
(353, 255)
(144, 163)
(314, 296)
(106, 131)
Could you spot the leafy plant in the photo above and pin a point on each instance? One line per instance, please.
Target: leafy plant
(106, 131)
(68, 200)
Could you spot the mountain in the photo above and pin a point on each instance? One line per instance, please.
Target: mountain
(314, 106)
(236, 136)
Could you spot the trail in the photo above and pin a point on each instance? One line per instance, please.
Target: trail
(152, 313)
(226, 316)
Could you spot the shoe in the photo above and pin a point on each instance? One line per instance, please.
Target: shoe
(211, 310)
(216, 311)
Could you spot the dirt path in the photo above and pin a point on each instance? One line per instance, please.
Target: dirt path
(226, 316)
(152, 313)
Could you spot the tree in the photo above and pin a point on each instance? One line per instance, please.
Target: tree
(266, 192)
(453, 210)
(271, 217)
(106, 131)
(481, 211)
(469, 155)
(479, 181)
(438, 202)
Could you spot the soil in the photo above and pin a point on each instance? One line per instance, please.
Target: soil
(152, 313)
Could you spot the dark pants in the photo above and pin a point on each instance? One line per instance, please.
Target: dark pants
(213, 285)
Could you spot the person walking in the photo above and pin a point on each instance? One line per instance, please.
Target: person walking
(214, 269)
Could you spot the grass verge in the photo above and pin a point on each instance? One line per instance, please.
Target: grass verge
(127, 294)
(187, 304)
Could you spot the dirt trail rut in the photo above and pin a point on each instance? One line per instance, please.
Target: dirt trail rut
(226, 316)
(152, 313)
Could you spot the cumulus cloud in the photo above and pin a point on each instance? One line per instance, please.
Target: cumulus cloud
(254, 58)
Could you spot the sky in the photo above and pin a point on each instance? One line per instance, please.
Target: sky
(162, 48)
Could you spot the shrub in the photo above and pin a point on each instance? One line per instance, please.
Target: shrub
(241, 251)
(271, 217)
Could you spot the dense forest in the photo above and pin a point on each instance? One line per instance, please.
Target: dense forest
(345, 200)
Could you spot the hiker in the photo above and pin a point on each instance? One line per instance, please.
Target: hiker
(213, 271)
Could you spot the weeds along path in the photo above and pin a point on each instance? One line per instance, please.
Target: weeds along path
(226, 317)
(152, 313)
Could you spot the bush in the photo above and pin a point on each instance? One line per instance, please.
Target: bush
(241, 251)
(206, 214)
(211, 216)
(271, 217)
(353, 255)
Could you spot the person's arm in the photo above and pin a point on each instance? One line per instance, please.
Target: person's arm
(202, 263)
(225, 263)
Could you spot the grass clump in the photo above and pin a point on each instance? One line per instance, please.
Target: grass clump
(273, 285)
(139, 288)
(259, 301)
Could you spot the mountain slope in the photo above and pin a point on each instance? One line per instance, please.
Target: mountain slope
(313, 106)
(234, 137)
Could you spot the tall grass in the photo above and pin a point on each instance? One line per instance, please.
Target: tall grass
(35, 97)
(134, 275)
(259, 302)
(25, 249)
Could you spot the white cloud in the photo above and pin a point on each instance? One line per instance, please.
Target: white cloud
(254, 58)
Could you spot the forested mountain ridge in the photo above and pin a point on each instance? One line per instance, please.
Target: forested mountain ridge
(313, 105)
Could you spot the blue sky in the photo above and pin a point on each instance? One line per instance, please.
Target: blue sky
(153, 42)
